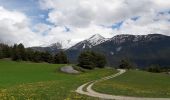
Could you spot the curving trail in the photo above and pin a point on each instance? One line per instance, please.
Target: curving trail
(90, 92)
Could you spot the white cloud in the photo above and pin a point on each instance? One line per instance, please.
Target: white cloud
(81, 13)
(147, 24)
(15, 28)
(85, 18)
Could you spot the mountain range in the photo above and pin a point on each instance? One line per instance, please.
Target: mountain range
(142, 50)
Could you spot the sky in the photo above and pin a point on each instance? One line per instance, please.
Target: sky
(43, 22)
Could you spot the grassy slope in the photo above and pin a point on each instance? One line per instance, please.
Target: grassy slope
(21, 80)
(137, 83)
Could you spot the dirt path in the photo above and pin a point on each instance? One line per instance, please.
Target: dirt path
(90, 92)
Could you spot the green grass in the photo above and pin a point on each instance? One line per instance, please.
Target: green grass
(137, 83)
(41, 81)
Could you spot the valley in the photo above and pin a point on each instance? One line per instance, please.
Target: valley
(85, 50)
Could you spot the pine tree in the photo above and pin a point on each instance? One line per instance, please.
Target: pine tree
(90, 60)
(86, 60)
(100, 60)
(30, 54)
(61, 58)
(6, 50)
(57, 59)
(1, 54)
(125, 64)
(15, 53)
(22, 53)
(37, 56)
(154, 68)
(45, 56)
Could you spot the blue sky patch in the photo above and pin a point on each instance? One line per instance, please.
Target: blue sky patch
(67, 29)
(117, 25)
(29, 7)
(135, 18)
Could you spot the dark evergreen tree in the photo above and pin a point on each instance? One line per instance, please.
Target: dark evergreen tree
(37, 56)
(15, 53)
(45, 56)
(30, 54)
(100, 60)
(90, 60)
(50, 60)
(125, 64)
(61, 58)
(56, 59)
(154, 69)
(86, 60)
(1, 54)
(6, 50)
(22, 53)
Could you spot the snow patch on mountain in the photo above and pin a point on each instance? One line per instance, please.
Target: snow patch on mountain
(91, 42)
(96, 40)
(84, 46)
(118, 49)
(119, 39)
(112, 53)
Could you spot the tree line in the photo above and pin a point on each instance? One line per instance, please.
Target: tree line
(86, 59)
(20, 53)
(17, 52)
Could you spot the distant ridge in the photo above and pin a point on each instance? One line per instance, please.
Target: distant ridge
(143, 50)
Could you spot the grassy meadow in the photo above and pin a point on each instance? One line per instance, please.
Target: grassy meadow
(42, 81)
(137, 83)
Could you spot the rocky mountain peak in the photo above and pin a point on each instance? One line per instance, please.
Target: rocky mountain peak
(96, 40)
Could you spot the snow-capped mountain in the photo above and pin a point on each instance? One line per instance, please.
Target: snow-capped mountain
(143, 50)
(135, 38)
(119, 39)
(96, 40)
(67, 44)
(89, 43)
